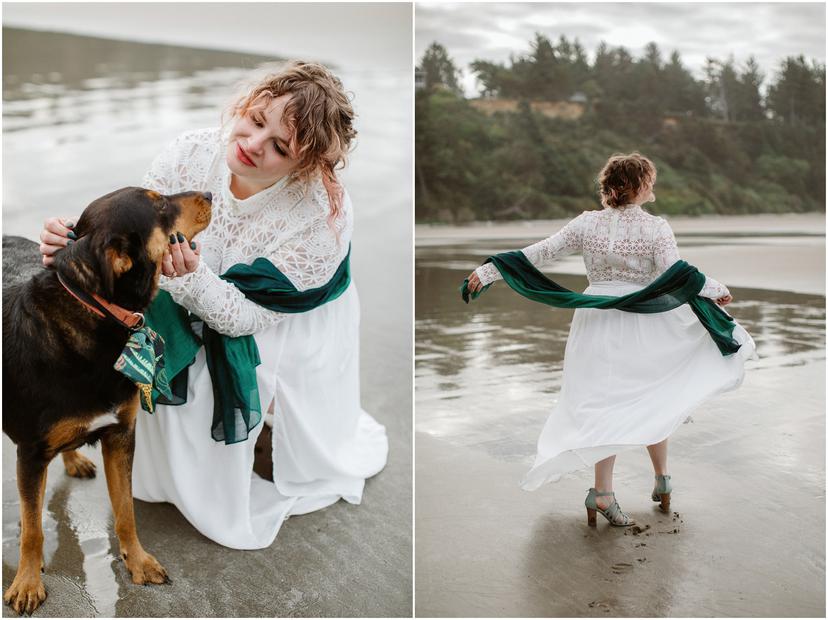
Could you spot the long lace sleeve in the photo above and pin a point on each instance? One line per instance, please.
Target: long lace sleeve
(567, 240)
(218, 303)
(309, 259)
(665, 253)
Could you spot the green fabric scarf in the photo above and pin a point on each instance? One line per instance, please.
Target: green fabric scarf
(231, 361)
(678, 285)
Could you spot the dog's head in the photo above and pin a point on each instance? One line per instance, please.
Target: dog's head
(121, 241)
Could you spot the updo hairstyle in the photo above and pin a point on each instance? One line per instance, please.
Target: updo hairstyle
(623, 177)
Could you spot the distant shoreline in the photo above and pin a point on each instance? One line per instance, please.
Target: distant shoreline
(766, 251)
(761, 224)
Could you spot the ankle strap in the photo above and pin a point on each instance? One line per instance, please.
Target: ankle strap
(600, 493)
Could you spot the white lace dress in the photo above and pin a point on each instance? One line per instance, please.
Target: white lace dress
(629, 379)
(324, 444)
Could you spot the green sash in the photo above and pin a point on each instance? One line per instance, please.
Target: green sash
(232, 361)
(678, 285)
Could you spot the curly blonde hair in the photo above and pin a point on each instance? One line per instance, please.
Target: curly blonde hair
(623, 177)
(320, 118)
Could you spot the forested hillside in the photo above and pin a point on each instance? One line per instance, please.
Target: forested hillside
(735, 141)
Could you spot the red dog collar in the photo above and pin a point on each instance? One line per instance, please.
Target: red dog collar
(129, 319)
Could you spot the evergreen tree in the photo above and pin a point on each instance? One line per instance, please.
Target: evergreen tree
(682, 94)
(798, 95)
(748, 97)
(439, 69)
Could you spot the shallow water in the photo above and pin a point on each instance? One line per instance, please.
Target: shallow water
(84, 116)
(487, 374)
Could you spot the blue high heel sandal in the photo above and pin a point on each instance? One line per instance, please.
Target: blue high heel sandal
(661, 492)
(612, 513)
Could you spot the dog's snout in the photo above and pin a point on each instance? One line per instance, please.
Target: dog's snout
(208, 196)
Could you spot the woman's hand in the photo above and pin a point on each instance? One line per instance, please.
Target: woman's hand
(723, 301)
(181, 257)
(475, 284)
(56, 235)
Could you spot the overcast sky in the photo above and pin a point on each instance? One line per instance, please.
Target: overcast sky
(359, 35)
(769, 31)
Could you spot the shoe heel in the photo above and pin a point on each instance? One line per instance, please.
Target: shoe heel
(665, 502)
(591, 520)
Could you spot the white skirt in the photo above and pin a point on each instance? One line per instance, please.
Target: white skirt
(630, 380)
(324, 444)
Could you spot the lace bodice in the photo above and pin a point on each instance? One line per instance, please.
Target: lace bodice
(287, 223)
(625, 243)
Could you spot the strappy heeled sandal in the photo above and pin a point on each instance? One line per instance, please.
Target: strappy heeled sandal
(661, 492)
(613, 512)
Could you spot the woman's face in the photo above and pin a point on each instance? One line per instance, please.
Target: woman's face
(258, 149)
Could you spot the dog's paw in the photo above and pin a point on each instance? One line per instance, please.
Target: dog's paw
(25, 594)
(146, 570)
(78, 466)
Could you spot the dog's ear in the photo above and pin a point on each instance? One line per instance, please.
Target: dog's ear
(113, 262)
(143, 277)
(119, 261)
(79, 263)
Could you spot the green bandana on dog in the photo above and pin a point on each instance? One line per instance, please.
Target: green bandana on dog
(142, 362)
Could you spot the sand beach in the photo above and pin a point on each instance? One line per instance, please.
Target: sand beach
(747, 535)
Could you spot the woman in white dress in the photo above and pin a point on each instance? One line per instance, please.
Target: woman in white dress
(629, 380)
(271, 171)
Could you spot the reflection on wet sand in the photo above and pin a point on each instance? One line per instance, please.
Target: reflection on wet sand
(486, 377)
(502, 356)
(78, 541)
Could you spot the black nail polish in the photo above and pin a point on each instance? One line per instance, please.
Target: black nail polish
(192, 245)
(180, 238)
(70, 242)
(172, 238)
(71, 234)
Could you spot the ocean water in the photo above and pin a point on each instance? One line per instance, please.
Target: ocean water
(83, 116)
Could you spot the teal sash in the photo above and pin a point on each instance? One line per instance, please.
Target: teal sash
(231, 361)
(678, 285)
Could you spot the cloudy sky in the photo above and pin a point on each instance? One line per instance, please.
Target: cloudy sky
(360, 35)
(769, 31)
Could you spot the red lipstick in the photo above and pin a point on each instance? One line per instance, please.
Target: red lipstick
(243, 157)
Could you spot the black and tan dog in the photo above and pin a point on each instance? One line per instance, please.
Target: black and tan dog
(60, 389)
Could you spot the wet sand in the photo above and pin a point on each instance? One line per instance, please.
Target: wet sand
(748, 473)
(749, 539)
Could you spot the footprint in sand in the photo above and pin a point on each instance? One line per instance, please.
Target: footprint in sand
(619, 568)
(600, 605)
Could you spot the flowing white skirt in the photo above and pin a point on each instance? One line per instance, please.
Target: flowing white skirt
(630, 380)
(324, 444)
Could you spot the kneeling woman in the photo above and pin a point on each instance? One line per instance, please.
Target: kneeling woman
(278, 212)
